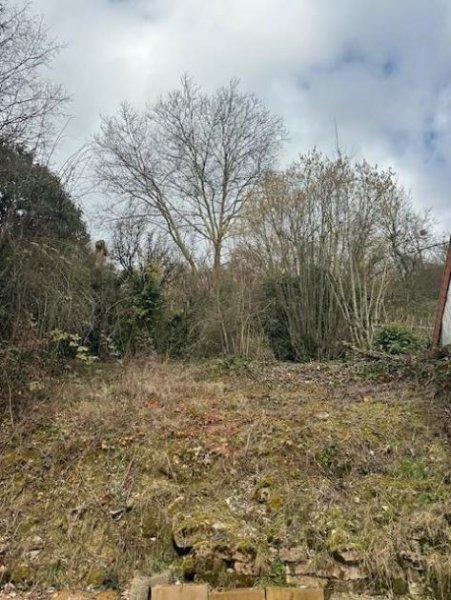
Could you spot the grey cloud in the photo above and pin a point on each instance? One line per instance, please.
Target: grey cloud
(381, 71)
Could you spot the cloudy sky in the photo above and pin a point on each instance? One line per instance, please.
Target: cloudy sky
(379, 69)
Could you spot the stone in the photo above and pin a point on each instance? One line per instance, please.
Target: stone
(238, 556)
(322, 416)
(140, 588)
(293, 555)
(5, 574)
(304, 568)
(280, 593)
(349, 556)
(244, 568)
(306, 581)
(262, 495)
(36, 543)
(352, 573)
(333, 571)
(239, 594)
(118, 513)
(163, 578)
(351, 588)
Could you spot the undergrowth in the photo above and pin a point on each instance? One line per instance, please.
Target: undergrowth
(160, 464)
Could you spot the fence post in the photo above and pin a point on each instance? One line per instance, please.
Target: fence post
(443, 297)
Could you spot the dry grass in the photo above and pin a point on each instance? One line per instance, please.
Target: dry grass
(98, 482)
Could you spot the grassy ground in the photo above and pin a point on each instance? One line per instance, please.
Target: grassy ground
(219, 470)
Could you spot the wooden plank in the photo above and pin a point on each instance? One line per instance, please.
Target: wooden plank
(442, 302)
(281, 593)
(239, 594)
(180, 592)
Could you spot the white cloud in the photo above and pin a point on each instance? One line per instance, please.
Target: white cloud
(381, 70)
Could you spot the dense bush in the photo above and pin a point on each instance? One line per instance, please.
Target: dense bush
(135, 313)
(34, 204)
(45, 269)
(44, 257)
(302, 320)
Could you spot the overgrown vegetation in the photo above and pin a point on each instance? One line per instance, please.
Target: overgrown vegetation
(395, 339)
(213, 252)
(230, 474)
(227, 463)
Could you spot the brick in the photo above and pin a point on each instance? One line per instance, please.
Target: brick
(239, 594)
(180, 592)
(294, 594)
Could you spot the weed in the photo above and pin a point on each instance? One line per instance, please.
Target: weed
(413, 469)
(275, 575)
(395, 339)
(144, 465)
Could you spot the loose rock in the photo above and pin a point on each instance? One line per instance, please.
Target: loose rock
(293, 555)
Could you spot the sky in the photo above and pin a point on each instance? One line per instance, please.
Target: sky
(378, 72)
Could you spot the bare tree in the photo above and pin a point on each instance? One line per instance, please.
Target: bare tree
(334, 236)
(127, 244)
(290, 232)
(28, 102)
(189, 162)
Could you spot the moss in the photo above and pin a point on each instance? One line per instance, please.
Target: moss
(150, 525)
(96, 578)
(400, 586)
(223, 578)
(275, 503)
(337, 539)
(247, 546)
(188, 566)
(22, 575)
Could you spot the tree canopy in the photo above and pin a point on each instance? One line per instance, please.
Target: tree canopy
(33, 203)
